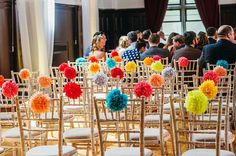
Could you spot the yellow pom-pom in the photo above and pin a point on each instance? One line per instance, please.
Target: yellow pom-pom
(209, 89)
(220, 71)
(148, 61)
(196, 102)
(157, 66)
(94, 68)
(130, 67)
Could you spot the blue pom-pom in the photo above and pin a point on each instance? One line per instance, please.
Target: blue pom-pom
(168, 72)
(116, 101)
(223, 63)
(80, 61)
(100, 79)
(111, 63)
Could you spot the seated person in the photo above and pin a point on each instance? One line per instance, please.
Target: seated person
(123, 44)
(202, 40)
(178, 43)
(212, 35)
(98, 43)
(141, 46)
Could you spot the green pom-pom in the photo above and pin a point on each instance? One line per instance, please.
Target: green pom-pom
(157, 66)
(196, 102)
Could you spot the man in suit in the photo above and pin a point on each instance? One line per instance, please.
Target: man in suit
(146, 35)
(211, 34)
(224, 49)
(154, 41)
(189, 51)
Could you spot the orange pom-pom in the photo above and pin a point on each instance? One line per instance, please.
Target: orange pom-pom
(24, 74)
(92, 59)
(44, 81)
(220, 71)
(148, 61)
(94, 68)
(1, 80)
(117, 59)
(40, 103)
(156, 80)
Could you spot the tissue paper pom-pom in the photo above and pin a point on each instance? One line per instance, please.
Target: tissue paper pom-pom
(117, 59)
(92, 59)
(111, 63)
(114, 53)
(94, 68)
(223, 63)
(72, 90)
(156, 80)
(100, 79)
(80, 61)
(211, 75)
(143, 89)
(9, 89)
(117, 72)
(40, 103)
(157, 58)
(148, 61)
(157, 66)
(24, 74)
(130, 67)
(62, 67)
(209, 89)
(220, 71)
(116, 101)
(168, 72)
(44, 81)
(1, 80)
(196, 102)
(70, 73)
(183, 62)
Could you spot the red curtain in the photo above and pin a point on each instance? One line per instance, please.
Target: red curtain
(209, 12)
(155, 13)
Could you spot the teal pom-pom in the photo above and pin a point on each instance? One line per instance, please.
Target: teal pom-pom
(223, 63)
(116, 101)
(111, 63)
(80, 61)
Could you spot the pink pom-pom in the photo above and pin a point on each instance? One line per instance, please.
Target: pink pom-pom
(143, 89)
(157, 58)
(72, 90)
(9, 89)
(114, 53)
(211, 75)
(70, 73)
(183, 62)
(62, 67)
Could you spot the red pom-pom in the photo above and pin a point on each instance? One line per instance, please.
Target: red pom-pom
(9, 89)
(143, 89)
(183, 62)
(62, 67)
(157, 58)
(114, 53)
(70, 73)
(117, 72)
(2, 79)
(92, 59)
(211, 75)
(72, 90)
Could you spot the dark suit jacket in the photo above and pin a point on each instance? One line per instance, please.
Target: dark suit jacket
(188, 52)
(222, 50)
(161, 45)
(154, 50)
(211, 40)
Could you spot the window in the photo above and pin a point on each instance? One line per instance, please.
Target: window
(181, 16)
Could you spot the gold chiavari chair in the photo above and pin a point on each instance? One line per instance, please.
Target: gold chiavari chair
(129, 124)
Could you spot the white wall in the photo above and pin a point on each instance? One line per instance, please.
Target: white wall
(70, 2)
(227, 1)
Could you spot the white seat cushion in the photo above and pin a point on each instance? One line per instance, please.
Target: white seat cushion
(127, 151)
(72, 108)
(211, 137)
(15, 132)
(167, 106)
(7, 116)
(168, 95)
(206, 152)
(1, 150)
(109, 116)
(156, 118)
(100, 95)
(79, 133)
(151, 134)
(55, 116)
(51, 150)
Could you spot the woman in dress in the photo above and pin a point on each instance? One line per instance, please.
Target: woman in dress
(97, 47)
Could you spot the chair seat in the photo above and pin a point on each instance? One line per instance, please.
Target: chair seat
(167, 106)
(72, 108)
(156, 118)
(109, 116)
(211, 137)
(100, 95)
(7, 116)
(206, 152)
(79, 133)
(151, 134)
(168, 95)
(51, 150)
(55, 116)
(127, 151)
(1, 150)
(15, 132)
